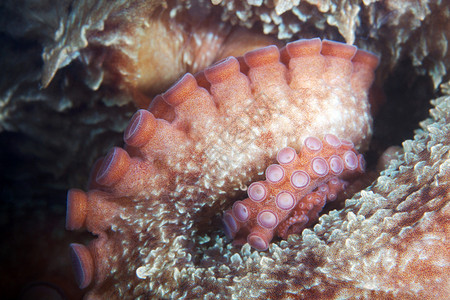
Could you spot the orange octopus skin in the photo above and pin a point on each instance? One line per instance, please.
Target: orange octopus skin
(196, 149)
(284, 199)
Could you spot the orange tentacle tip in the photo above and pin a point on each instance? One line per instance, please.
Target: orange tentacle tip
(304, 47)
(161, 109)
(367, 58)
(259, 238)
(83, 264)
(76, 209)
(113, 167)
(222, 70)
(338, 49)
(140, 129)
(181, 90)
(264, 56)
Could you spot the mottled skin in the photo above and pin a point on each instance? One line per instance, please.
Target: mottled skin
(152, 205)
(284, 203)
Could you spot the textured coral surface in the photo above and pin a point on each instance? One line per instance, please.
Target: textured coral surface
(85, 52)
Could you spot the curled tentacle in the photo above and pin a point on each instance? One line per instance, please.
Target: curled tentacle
(295, 190)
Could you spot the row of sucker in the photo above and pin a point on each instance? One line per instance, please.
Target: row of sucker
(294, 191)
(160, 140)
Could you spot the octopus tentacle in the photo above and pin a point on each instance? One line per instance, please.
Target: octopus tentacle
(280, 202)
(201, 142)
(309, 207)
(83, 264)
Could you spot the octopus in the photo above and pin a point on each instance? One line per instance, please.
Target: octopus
(283, 204)
(389, 241)
(203, 141)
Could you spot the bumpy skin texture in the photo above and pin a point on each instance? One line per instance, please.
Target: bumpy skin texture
(199, 144)
(283, 204)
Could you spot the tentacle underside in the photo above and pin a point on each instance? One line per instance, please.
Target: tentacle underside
(199, 143)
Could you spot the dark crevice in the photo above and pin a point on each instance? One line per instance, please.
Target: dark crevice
(408, 103)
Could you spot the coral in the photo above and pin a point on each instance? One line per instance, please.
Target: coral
(186, 158)
(284, 203)
(365, 24)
